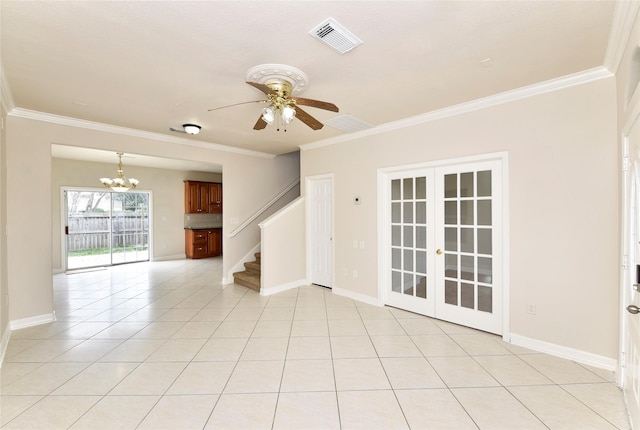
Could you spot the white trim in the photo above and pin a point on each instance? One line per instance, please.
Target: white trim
(264, 208)
(289, 207)
(506, 250)
(283, 287)
(32, 321)
(624, 15)
(239, 266)
(4, 344)
(97, 126)
(576, 355)
(169, 257)
(496, 99)
(357, 296)
(6, 97)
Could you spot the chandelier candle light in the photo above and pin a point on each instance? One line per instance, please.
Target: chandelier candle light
(120, 183)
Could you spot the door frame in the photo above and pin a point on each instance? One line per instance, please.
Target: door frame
(308, 184)
(384, 242)
(63, 220)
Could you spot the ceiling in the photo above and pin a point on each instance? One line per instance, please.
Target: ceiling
(152, 65)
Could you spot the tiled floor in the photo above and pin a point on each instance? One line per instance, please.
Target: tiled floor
(163, 346)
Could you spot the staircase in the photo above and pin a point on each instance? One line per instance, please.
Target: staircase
(250, 278)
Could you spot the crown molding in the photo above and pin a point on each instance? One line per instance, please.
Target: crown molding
(107, 128)
(6, 98)
(483, 103)
(624, 16)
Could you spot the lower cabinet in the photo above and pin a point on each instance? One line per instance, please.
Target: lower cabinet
(203, 243)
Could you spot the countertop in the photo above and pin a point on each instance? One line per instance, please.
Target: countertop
(203, 228)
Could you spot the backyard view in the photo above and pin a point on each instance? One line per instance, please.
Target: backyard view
(105, 228)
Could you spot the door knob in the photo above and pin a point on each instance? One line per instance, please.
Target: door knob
(439, 251)
(633, 309)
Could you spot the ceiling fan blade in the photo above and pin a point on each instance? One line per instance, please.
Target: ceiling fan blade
(262, 87)
(316, 104)
(236, 104)
(260, 124)
(308, 119)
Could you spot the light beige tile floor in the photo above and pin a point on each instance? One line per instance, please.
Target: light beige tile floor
(164, 346)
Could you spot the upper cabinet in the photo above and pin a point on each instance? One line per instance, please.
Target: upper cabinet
(202, 197)
(215, 198)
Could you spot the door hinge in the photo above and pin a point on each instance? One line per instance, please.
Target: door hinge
(626, 164)
(623, 360)
(625, 262)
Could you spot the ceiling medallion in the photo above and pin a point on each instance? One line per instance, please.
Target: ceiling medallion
(269, 72)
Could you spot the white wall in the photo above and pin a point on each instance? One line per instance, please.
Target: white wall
(249, 181)
(284, 249)
(166, 187)
(563, 205)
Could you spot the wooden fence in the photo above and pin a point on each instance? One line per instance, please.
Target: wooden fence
(91, 231)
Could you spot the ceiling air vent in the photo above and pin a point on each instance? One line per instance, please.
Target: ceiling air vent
(348, 123)
(335, 35)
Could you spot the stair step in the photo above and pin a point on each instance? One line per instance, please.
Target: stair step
(249, 280)
(253, 267)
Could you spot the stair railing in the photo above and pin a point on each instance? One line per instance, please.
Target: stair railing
(264, 208)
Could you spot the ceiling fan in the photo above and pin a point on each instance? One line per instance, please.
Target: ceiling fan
(278, 83)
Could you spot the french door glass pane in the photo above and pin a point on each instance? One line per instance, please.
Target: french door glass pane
(468, 267)
(409, 236)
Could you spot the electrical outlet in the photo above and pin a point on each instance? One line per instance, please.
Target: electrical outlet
(531, 309)
(355, 274)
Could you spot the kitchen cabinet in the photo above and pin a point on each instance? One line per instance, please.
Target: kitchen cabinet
(215, 198)
(202, 197)
(215, 242)
(203, 243)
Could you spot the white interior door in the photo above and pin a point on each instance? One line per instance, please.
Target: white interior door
(630, 341)
(321, 231)
(444, 234)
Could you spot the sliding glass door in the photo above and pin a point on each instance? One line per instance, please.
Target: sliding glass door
(105, 228)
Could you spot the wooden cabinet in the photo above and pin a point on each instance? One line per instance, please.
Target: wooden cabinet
(215, 242)
(202, 197)
(203, 243)
(215, 198)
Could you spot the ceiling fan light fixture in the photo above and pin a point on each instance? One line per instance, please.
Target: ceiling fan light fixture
(268, 114)
(288, 113)
(191, 128)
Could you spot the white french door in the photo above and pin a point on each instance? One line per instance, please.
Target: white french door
(630, 324)
(444, 235)
(321, 231)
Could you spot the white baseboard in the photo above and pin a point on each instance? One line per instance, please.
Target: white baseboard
(4, 344)
(576, 355)
(357, 296)
(32, 321)
(170, 257)
(283, 287)
(239, 266)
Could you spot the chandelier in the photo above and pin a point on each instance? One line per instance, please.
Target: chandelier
(120, 183)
